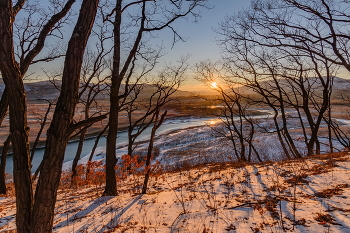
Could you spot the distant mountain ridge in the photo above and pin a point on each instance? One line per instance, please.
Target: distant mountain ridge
(340, 85)
(47, 90)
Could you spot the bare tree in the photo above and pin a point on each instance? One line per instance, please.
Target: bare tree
(94, 148)
(158, 93)
(4, 102)
(233, 111)
(42, 125)
(151, 16)
(157, 124)
(264, 49)
(3, 166)
(93, 86)
(3, 112)
(314, 26)
(62, 125)
(335, 128)
(12, 73)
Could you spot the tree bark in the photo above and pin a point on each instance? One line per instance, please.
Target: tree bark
(77, 156)
(61, 125)
(150, 148)
(94, 149)
(111, 160)
(118, 75)
(13, 73)
(42, 125)
(12, 77)
(3, 166)
(4, 103)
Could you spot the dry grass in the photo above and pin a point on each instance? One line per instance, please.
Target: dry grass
(221, 189)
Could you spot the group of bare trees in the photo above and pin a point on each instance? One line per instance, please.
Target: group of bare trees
(26, 30)
(286, 54)
(286, 51)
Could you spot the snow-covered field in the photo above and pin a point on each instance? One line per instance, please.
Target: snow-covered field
(200, 144)
(218, 195)
(310, 195)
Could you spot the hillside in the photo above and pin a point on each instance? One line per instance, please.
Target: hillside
(310, 195)
(47, 90)
(340, 86)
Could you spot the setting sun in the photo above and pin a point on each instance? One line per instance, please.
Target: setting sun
(214, 85)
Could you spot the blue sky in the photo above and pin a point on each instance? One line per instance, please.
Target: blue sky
(200, 36)
(200, 39)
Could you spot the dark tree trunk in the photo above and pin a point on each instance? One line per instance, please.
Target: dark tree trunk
(94, 149)
(318, 147)
(130, 143)
(118, 75)
(4, 102)
(3, 166)
(330, 140)
(12, 77)
(21, 158)
(12, 74)
(77, 156)
(96, 142)
(42, 125)
(315, 126)
(62, 123)
(280, 138)
(111, 160)
(150, 148)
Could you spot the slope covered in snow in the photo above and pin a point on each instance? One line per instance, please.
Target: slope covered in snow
(310, 195)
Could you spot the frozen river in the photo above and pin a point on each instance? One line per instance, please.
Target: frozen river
(71, 149)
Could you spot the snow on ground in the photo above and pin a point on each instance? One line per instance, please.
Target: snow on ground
(310, 195)
(198, 144)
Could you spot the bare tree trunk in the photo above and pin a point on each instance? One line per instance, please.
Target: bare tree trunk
(279, 134)
(3, 166)
(329, 127)
(12, 73)
(37, 171)
(96, 142)
(12, 77)
(4, 103)
(131, 142)
(94, 149)
(111, 160)
(77, 156)
(318, 147)
(42, 125)
(21, 154)
(150, 148)
(120, 70)
(61, 126)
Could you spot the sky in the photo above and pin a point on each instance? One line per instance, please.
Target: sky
(200, 37)
(200, 40)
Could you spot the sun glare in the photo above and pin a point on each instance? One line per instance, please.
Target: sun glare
(214, 85)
